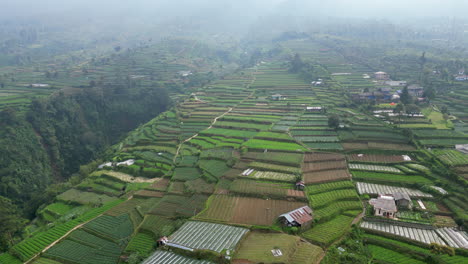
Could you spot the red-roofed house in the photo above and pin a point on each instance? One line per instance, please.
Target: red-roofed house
(301, 217)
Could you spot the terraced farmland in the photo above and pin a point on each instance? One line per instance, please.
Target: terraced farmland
(166, 257)
(248, 211)
(379, 168)
(326, 233)
(209, 236)
(270, 175)
(257, 247)
(371, 188)
(231, 155)
(324, 167)
(425, 236)
(265, 189)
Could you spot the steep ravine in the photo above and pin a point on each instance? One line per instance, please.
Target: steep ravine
(62, 132)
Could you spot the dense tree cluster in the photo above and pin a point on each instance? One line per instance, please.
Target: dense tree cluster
(62, 132)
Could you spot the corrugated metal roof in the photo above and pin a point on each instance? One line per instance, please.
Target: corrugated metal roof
(400, 196)
(300, 215)
(384, 204)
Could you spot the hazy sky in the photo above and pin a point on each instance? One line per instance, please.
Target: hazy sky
(366, 8)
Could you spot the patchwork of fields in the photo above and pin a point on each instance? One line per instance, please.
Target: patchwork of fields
(214, 173)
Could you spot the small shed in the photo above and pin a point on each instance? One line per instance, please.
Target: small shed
(185, 73)
(384, 206)
(300, 185)
(402, 200)
(381, 75)
(162, 241)
(316, 109)
(107, 164)
(126, 163)
(415, 90)
(276, 97)
(463, 148)
(396, 83)
(301, 217)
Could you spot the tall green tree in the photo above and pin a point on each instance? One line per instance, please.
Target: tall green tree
(10, 222)
(334, 121)
(405, 97)
(296, 64)
(429, 93)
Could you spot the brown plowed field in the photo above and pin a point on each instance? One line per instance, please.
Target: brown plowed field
(316, 157)
(376, 145)
(161, 184)
(326, 176)
(326, 165)
(246, 210)
(376, 158)
(295, 193)
(146, 193)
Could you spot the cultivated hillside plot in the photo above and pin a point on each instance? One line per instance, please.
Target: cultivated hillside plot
(257, 248)
(202, 235)
(246, 210)
(371, 188)
(426, 236)
(166, 257)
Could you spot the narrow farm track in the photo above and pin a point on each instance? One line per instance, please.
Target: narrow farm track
(64, 236)
(190, 138)
(214, 121)
(58, 240)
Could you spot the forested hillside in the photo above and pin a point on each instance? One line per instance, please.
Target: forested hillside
(62, 132)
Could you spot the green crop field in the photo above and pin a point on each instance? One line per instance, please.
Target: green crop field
(216, 168)
(257, 248)
(327, 187)
(336, 208)
(387, 177)
(294, 159)
(141, 243)
(325, 198)
(217, 153)
(6, 258)
(273, 145)
(389, 256)
(324, 234)
(186, 174)
(242, 125)
(274, 136)
(79, 197)
(400, 247)
(43, 260)
(31, 246)
(274, 167)
(112, 227)
(179, 206)
(71, 251)
(451, 157)
(228, 133)
(157, 226)
(58, 208)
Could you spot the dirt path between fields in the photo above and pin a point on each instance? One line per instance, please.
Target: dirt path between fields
(214, 121)
(129, 178)
(65, 235)
(190, 138)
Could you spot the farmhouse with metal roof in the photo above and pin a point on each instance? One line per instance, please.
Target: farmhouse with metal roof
(384, 206)
(301, 217)
(402, 200)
